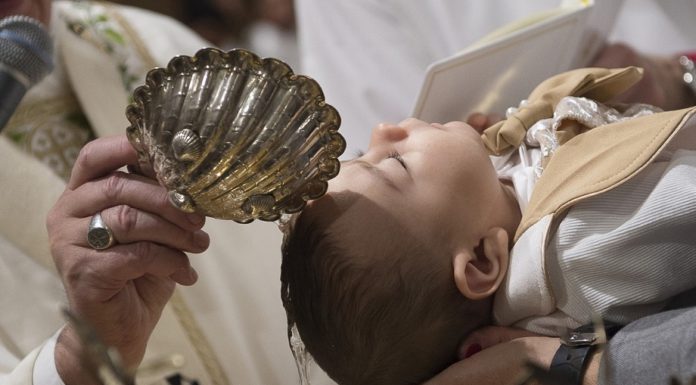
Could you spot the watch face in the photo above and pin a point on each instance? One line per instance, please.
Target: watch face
(578, 339)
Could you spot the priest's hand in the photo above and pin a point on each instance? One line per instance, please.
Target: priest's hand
(117, 282)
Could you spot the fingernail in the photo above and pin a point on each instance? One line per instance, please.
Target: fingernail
(186, 276)
(201, 239)
(196, 219)
(472, 349)
(193, 274)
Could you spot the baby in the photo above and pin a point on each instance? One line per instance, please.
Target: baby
(387, 273)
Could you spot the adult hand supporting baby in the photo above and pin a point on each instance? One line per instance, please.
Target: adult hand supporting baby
(662, 84)
(500, 355)
(119, 291)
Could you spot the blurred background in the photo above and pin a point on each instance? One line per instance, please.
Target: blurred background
(266, 27)
(323, 39)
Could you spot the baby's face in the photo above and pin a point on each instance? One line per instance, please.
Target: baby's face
(434, 179)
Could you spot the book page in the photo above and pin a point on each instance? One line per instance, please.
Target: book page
(501, 69)
(529, 21)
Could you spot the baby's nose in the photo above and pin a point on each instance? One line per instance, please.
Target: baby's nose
(389, 132)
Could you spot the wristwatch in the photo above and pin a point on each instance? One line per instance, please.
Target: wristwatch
(572, 357)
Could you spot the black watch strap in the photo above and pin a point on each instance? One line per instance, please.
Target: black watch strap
(569, 363)
(571, 358)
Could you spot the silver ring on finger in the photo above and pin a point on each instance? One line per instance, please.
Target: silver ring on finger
(99, 235)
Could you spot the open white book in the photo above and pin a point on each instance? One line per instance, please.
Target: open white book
(501, 69)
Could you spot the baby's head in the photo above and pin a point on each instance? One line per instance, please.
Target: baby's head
(387, 273)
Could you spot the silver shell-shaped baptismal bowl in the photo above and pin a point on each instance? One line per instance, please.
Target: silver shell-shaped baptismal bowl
(234, 136)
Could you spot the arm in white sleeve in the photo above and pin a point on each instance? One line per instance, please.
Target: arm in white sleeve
(45, 371)
(36, 368)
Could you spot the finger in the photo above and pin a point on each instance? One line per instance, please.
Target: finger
(141, 169)
(501, 364)
(130, 225)
(135, 260)
(136, 191)
(488, 336)
(99, 275)
(100, 157)
(478, 121)
(186, 277)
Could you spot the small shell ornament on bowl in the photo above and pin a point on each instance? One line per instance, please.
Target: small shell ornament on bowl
(234, 136)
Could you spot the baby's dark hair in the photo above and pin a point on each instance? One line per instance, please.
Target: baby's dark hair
(393, 317)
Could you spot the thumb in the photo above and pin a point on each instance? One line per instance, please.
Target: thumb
(488, 336)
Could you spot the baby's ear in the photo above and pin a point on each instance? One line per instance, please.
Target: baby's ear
(478, 272)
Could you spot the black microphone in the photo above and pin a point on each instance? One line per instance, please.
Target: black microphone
(26, 57)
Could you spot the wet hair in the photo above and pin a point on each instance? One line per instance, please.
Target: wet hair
(392, 317)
